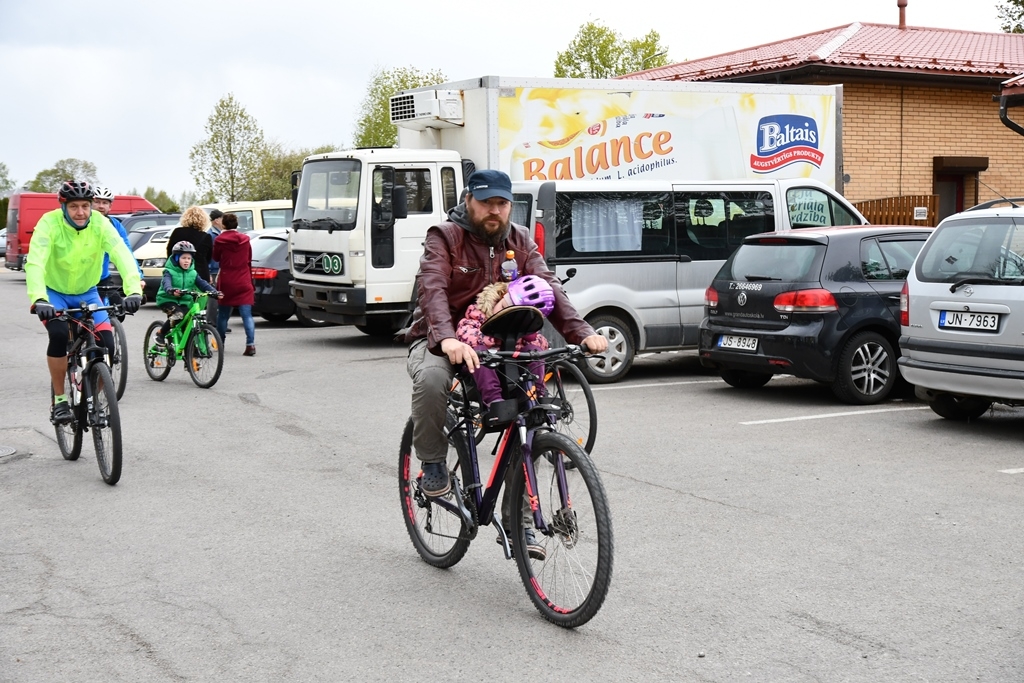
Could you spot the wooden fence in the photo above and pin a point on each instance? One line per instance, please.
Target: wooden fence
(900, 210)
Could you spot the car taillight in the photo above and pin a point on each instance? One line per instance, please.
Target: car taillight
(538, 236)
(264, 273)
(806, 301)
(711, 297)
(905, 305)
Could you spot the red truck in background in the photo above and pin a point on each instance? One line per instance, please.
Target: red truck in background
(26, 208)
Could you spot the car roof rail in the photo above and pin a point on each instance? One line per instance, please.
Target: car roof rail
(1012, 201)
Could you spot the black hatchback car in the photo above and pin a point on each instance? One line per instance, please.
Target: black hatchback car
(270, 276)
(821, 304)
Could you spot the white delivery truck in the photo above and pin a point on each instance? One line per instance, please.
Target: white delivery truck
(688, 148)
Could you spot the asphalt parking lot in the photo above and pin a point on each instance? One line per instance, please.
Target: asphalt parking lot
(774, 535)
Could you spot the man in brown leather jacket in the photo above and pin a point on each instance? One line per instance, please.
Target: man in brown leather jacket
(461, 257)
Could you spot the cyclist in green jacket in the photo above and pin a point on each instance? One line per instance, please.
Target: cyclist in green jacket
(65, 261)
(179, 278)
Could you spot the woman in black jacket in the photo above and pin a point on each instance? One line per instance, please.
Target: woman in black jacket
(194, 228)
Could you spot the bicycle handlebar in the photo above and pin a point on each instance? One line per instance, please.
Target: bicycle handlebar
(495, 359)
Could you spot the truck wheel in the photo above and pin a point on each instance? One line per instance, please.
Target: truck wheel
(307, 321)
(960, 408)
(618, 359)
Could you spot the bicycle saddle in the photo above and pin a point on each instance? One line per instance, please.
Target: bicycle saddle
(509, 324)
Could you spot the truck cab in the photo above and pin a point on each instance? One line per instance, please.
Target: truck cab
(358, 227)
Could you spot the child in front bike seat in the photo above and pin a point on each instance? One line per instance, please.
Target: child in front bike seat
(528, 290)
(179, 276)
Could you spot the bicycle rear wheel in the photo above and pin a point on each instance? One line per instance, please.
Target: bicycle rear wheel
(578, 418)
(69, 435)
(439, 535)
(569, 586)
(156, 359)
(105, 422)
(119, 359)
(204, 355)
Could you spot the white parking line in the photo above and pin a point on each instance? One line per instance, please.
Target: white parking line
(1019, 470)
(658, 384)
(827, 415)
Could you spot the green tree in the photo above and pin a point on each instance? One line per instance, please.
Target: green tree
(374, 127)
(6, 184)
(225, 163)
(601, 52)
(1011, 14)
(3, 212)
(49, 180)
(274, 176)
(188, 198)
(161, 200)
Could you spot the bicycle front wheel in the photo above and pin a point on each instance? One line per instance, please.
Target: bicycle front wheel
(569, 585)
(439, 535)
(156, 358)
(204, 355)
(119, 359)
(578, 415)
(105, 422)
(69, 435)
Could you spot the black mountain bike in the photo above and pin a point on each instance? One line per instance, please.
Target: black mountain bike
(552, 493)
(118, 360)
(92, 395)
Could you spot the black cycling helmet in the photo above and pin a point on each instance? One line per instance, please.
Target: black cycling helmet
(183, 247)
(73, 190)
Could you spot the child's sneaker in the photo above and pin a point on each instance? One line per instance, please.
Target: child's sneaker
(159, 341)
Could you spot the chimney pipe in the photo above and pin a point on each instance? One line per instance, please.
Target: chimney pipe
(902, 4)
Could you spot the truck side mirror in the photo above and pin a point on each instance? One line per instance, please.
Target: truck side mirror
(400, 202)
(296, 176)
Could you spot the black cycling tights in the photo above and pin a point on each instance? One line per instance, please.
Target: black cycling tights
(58, 333)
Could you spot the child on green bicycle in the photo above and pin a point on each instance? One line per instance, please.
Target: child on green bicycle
(180, 276)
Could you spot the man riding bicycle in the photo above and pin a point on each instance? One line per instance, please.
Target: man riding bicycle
(64, 263)
(461, 257)
(102, 199)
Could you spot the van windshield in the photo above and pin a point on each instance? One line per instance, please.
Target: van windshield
(328, 195)
(989, 248)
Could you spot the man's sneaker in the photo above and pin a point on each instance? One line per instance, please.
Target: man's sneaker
(534, 549)
(434, 481)
(61, 413)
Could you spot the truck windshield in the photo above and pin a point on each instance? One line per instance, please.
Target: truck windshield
(328, 195)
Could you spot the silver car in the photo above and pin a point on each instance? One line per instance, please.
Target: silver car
(962, 313)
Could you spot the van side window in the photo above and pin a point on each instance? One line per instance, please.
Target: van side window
(614, 224)
(448, 188)
(522, 208)
(811, 208)
(417, 188)
(713, 224)
(276, 218)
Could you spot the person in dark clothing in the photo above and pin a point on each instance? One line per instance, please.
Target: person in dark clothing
(194, 228)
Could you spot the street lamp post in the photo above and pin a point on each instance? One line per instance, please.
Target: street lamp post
(643, 62)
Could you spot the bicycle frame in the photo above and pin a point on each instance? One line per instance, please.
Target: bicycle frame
(180, 332)
(533, 415)
(84, 339)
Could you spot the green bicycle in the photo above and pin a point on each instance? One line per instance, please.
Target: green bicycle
(192, 338)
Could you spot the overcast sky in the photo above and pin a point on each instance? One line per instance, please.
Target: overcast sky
(129, 84)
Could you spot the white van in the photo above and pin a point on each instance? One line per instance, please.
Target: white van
(645, 251)
(272, 213)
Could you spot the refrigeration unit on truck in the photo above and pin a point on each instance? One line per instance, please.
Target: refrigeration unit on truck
(361, 215)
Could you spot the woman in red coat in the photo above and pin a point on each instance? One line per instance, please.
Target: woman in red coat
(233, 251)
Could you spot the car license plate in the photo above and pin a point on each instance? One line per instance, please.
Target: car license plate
(969, 321)
(728, 341)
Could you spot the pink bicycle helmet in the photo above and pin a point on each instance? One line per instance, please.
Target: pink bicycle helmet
(531, 290)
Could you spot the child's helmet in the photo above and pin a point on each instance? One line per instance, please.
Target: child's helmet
(183, 247)
(531, 290)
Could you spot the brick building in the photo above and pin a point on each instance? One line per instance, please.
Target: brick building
(919, 115)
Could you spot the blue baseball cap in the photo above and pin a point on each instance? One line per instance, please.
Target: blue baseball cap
(486, 184)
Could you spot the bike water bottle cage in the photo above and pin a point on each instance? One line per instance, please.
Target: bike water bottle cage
(531, 290)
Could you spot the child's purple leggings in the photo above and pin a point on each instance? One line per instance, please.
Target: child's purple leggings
(487, 381)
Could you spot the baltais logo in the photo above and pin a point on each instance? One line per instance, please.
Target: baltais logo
(785, 139)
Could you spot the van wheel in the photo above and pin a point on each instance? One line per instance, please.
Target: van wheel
(618, 359)
(959, 408)
(745, 380)
(867, 370)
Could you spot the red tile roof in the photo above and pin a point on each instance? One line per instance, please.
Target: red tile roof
(863, 46)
